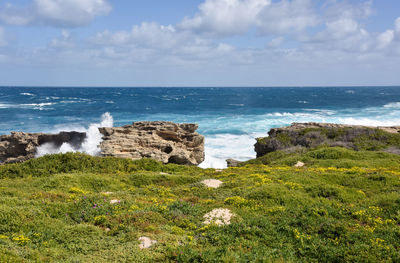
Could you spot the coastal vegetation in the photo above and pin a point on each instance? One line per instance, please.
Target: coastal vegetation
(343, 205)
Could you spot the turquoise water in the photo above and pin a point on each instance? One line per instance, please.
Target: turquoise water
(230, 118)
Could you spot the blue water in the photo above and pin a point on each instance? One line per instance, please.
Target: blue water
(230, 118)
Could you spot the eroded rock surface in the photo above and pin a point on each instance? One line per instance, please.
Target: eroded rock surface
(21, 146)
(167, 142)
(218, 216)
(300, 136)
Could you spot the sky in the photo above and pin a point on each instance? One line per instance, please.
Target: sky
(199, 43)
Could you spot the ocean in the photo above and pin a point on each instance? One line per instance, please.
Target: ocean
(229, 118)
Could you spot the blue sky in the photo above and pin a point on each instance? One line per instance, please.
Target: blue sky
(199, 42)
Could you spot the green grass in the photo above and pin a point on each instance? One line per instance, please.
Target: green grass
(331, 156)
(363, 139)
(344, 206)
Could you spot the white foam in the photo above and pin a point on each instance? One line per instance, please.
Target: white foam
(220, 147)
(369, 121)
(90, 144)
(392, 105)
(25, 106)
(93, 136)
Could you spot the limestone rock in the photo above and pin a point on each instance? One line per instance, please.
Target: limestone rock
(300, 136)
(146, 242)
(212, 183)
(232, 163)
(21, 146)
(299, 164)
(167, 142)
(218, 216)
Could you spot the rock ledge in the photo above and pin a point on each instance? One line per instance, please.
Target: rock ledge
(300, 136)
(167, 142)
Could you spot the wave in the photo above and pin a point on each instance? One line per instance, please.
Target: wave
(237, 105)
(26, 94)
(90, 144)
(220, 147)
(25, 106)
(392, 105)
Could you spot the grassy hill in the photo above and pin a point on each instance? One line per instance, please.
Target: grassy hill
(343, 206)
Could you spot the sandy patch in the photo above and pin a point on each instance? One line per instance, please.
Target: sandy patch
(146, 242)
(213, 183)
(218, 216)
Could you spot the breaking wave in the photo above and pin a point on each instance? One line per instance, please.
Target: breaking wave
(90, 145)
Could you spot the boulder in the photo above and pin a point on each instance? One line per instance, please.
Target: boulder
(167, 142)
(232, 163)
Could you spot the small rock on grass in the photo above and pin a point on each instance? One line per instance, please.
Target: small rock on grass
(115, 201)
(213, 183)
(146, 242)
(299, 164)
(218, 216)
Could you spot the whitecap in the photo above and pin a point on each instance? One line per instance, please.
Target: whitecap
(392, 105)
(24, 106)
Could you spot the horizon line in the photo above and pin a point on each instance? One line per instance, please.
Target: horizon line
(180, 86)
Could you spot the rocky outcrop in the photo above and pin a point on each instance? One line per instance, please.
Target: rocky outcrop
(167, 142)
(300, 136)
(20, 146)
(233, 163)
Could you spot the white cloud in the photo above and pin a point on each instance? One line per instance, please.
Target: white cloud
(342, 27)
(385, 39)
(287, 17)
(397, 25)
(334, 10)
(62, 13)
(3, 41)
(338, 43)
(151, 35)
(276, 42)
(225, 17)
(12, 15)
(154, 43)
(70, 12)
(66, 41)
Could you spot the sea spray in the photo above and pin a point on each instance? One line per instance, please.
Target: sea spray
(93, 136)
(90, 145)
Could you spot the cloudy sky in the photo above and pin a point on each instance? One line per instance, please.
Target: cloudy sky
(199, 42)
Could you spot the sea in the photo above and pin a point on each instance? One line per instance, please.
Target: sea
(230, 118)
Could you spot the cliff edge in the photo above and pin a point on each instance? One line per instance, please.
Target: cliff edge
(302, 136)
